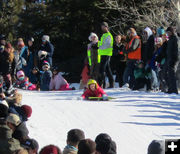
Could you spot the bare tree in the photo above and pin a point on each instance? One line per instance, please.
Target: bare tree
(139, 14)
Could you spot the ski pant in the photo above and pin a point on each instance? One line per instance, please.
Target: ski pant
(171, 78)
(141, 82)
(105, 69)
(94, 71)
(65, 87)
(120, 68)
(128, 76)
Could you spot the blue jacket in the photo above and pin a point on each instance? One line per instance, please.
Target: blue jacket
(45, 80)
(49, 48)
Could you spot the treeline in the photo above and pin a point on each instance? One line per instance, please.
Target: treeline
(67, 22)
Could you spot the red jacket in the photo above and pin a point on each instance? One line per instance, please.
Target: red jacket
(97, 93)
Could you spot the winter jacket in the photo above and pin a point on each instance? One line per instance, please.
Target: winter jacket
(153, 60)
(8, 144)
(57, 81)
(45, 80)
(20, 131)
(25, 84)
(99, 92)
(133, 48)
(162, 55)
(172, 51)
(19, 60)
(18, 111)
(6, 66)
(141, 73)
(49, 48)
(92, 53)
(148, 47)
(70, 150)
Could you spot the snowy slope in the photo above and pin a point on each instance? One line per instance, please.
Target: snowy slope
(133, 120)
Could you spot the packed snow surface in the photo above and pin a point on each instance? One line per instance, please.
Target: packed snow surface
(133, 119)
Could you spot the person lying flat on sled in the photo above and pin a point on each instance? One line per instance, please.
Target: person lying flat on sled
(58, 82)
(94, 90)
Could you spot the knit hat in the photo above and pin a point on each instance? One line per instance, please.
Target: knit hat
(27, 110)
(14, 119)
(50, 149)
(31, 144)
(161, 31)
(156, 147)
(46, 63)
(8, 45)
(20, 74)
(91, 35)
(86, 146)
(46, 38)
(104, 24)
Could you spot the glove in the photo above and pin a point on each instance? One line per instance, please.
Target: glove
(104, 97)
(80, 98)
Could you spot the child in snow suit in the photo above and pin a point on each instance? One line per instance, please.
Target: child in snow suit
(23, 82)
(45, 77)
(57, 81)
(94, 90)
(142, 77)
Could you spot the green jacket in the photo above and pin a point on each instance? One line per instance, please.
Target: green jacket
(141, 73)
(8, 145)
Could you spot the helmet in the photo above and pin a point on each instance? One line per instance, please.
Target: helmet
(91, 81)
(20, 74)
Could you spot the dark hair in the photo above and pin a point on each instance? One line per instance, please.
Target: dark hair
(104, 144)
(86, 146)
(75, 136)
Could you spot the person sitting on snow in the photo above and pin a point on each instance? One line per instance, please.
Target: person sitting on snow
(94, 90)
(45, 77)
(23, 81)
(142, 76)
(58, 82)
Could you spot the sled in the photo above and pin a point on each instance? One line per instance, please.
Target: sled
(100, 98)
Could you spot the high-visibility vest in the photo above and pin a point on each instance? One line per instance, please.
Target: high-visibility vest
(108, 51)
(134, 54)
(89, 57)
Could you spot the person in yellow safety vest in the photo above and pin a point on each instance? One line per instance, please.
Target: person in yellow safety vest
(105, 50)
(133, 51)
(93, 57)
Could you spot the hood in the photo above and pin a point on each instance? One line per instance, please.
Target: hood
(149, 31)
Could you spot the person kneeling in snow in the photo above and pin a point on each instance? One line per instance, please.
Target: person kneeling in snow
(142, 77)
(94, 90)
(58, 82)
(23, 82)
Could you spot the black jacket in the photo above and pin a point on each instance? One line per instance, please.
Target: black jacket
(148, 49)
(172, 51)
